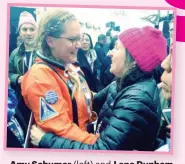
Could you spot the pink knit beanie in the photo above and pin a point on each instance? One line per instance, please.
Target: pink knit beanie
(146, 45)
(26, 17)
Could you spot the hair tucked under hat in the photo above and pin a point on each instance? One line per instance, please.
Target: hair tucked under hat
(26, 17)
(146, 45)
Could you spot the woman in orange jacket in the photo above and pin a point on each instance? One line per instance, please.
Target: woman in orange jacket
(54, 88)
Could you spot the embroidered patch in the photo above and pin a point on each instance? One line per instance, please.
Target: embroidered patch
(51, 97)
(46, 112)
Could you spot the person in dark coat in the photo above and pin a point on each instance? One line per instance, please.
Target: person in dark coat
(99, 47)
(22, 58)
(89, 63)
(105, 76)
(15, 125)
(130, 113)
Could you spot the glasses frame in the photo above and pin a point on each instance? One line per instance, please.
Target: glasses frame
(73, 40)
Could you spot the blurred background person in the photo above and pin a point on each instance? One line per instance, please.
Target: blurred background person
(106, 77)
(99, 47)
(15, 130)
(89, 63)
(22, 58)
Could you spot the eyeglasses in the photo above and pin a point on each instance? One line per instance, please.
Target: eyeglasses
(73, 40)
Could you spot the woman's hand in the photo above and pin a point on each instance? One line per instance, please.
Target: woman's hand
(36, 135)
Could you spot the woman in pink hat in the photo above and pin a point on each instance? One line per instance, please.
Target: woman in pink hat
(130, 113)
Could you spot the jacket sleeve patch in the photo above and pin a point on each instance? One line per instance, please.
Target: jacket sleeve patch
(51, 97)
(46, 111)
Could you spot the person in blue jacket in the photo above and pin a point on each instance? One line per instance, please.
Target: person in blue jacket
(15, 132)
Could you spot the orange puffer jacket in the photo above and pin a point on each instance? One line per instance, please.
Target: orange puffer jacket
(47, 95)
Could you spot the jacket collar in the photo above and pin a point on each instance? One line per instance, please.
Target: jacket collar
(52, 62)
(21, 48)
(136, 75)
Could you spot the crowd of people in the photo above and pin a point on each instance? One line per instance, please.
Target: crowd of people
(83, 96)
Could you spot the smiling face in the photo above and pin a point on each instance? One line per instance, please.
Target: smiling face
(28, 33)
(85, 43)
(166, 78)
(118, 56)
(65, 47)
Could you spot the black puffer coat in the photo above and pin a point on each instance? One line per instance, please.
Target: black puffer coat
(129, 118)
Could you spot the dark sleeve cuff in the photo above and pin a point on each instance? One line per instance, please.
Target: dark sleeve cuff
(46, 140)
(50, 140)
